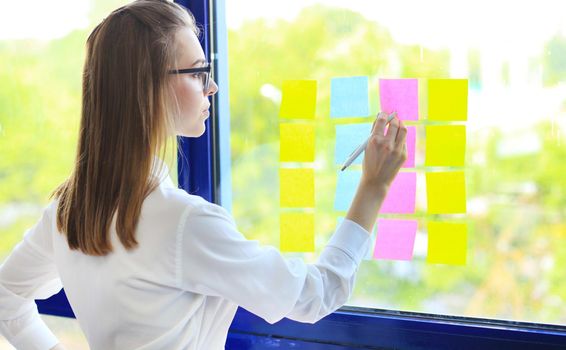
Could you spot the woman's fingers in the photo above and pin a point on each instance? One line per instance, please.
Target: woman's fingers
(379, 115)
(401, 136)
(400, 142)
(392, 131)
(379, 128)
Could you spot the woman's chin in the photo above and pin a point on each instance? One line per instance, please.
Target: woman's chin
(197, 132)
(202, 131)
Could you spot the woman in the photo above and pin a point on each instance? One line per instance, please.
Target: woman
(144, 264)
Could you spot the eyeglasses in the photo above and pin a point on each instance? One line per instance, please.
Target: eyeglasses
(203, 73)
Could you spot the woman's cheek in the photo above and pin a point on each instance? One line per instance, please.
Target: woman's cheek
(191, 94)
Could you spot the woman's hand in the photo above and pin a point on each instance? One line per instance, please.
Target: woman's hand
(384, 156)
(385, 153)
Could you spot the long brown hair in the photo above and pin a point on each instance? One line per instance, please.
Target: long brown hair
(126, 120)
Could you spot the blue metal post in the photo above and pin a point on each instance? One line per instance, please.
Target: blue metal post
(196, 172)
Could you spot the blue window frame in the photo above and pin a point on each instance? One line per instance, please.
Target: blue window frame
(349, 327)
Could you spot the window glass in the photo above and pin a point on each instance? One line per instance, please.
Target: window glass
(510, 167)
(42, 45)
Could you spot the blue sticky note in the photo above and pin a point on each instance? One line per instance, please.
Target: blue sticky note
(348, 138)
(349, 97)
(346, 186)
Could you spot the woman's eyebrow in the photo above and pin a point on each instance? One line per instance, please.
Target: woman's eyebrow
(200, 60)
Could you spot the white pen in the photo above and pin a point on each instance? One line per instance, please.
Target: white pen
(363, 146)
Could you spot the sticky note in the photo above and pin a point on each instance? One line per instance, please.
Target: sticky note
(401, 96)
(296, 143)
(298, 99)
(296, 232)
(448, 99)
(447, 243)
(446, 192)
(400, 198)
(346, 186)
(296, 188)
(395, 239)
(411, 142)
(349, 97)
(348, 138)
(445, 145)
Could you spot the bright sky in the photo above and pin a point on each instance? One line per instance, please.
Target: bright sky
(410, 21)
(428, 23)
(41, 19)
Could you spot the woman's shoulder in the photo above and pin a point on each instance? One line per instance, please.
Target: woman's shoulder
(192, 204)
(177, 197)
(196, 216)
(195, 207)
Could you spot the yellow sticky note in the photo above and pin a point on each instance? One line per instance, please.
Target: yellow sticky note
(296, 188)
(296, 232)
(296, 142)
(447, 243)
(445, 145)
(446, 192)
(448, 99)
(298, 99)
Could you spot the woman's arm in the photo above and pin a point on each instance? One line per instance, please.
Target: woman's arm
(28, 273)
(218, 260)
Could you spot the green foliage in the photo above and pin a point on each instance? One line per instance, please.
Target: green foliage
(39, 114)
(40, 101)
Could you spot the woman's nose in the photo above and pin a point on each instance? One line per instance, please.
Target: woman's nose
(212, 88)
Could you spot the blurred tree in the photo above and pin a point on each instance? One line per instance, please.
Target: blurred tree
(40, 96)
(554, 69)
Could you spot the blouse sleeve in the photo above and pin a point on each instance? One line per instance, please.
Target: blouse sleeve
(218, 260)
(28, 273)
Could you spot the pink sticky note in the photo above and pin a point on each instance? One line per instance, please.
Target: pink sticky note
(395, 239)
(411, 144)
(401, 96)
(400, 198)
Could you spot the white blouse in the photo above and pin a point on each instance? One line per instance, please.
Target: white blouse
(180, 288)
